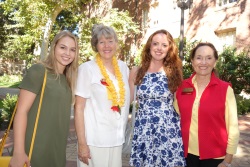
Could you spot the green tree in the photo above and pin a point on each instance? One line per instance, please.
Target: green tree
(235, 68)
(8, 106)
(3, 32)
(119, 20)
(187, 66)
(33, 22)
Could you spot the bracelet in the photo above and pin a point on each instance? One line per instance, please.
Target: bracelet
(226, 164)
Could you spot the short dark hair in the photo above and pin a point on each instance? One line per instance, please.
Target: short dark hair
(193, 51)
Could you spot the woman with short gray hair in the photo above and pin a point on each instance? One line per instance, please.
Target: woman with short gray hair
(102, 103)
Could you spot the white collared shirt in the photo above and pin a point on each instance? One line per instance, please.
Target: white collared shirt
(103, 126)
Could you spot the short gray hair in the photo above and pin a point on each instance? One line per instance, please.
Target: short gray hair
(99, 30)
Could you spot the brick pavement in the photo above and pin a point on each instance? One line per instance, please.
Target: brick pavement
(241, 159)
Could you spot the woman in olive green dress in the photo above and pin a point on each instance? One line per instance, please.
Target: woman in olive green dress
(53, 126)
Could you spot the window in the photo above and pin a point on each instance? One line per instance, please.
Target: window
(225, 2)
(226, 38)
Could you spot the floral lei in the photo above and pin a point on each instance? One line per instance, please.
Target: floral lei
(117, 98)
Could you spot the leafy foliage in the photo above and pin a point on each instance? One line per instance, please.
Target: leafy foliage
(1, 103)
(123, 24)
(137, 59)
(235, 68)
(32, 24)
(9, 80)
(28, 24)
(187, 66)
(20, 47)
(243, 105)
(3, 32)
(8, 107)
(25, 29)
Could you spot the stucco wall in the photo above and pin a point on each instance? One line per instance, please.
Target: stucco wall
(207, 19)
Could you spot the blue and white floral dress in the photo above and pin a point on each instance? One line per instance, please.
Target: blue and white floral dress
(157, 138)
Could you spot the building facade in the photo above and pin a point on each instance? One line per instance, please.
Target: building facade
(221, 22)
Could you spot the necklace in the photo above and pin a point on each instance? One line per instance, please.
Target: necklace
(117, 98)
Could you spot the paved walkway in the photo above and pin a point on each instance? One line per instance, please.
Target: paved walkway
(11, 91)
(241, 159)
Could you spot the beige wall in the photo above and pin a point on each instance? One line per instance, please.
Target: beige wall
(202, 22)
(207, 19)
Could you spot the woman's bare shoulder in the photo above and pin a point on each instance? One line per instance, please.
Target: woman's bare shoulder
(134, 69)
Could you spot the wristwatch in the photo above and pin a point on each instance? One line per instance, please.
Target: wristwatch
(226, 164)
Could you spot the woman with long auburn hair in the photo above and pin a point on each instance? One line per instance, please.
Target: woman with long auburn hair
(171, 63)
(157, 137)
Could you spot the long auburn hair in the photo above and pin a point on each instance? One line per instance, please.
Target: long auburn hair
(71, 69)
(171, 63)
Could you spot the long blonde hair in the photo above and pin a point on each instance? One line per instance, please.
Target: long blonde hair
(71, 69)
